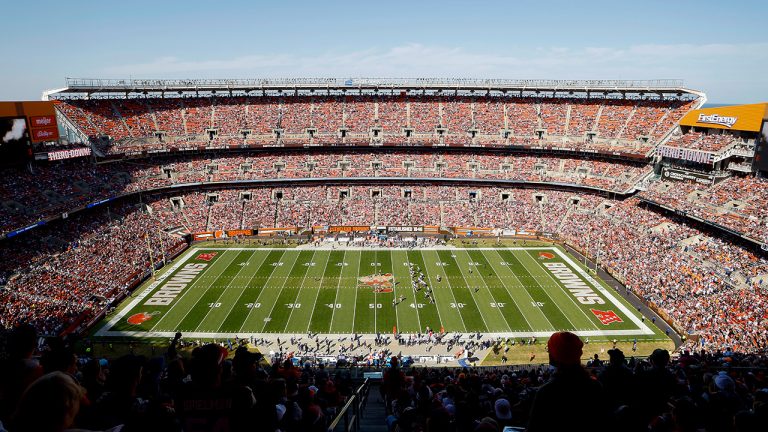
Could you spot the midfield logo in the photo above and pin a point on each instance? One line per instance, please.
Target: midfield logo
(607, 317)
(380, 283)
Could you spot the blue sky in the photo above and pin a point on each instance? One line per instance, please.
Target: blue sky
(716, 46)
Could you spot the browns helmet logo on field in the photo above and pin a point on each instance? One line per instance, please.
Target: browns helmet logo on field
(141, 317)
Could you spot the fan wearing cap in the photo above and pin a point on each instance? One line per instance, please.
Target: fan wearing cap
(617, 379)
(571, 400)
(655, 386)
(502, 412)
(723, 402)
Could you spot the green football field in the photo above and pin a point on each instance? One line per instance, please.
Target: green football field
(215, 292)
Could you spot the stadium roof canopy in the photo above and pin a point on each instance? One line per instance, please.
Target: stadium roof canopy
(116, 87)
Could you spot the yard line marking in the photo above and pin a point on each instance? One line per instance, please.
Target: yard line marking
(222, 293)
(485, 323)
(277, 297)
(290, 314)
(485, 282)
(450, 288)
(244, 288)
(394, 287)
(375, 310)
(408, 257)
(338, 286)
(336, 297)
(354, 310)
(525, 290)
(263, 290)
(554, 303)
(415, 300)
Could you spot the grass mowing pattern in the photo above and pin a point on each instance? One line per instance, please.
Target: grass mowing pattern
(288, 291)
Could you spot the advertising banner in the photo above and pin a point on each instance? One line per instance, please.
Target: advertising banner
(69, 154)
(40, 115)
(738, 117)
(476, 231)
(240, 232)
(686, 154)
(687, 176)
(275, 230)
(45, 121)
(405, 229)
(202, 235)
(348, 228)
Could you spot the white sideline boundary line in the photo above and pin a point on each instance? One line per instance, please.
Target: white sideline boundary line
(124, 311)
(643, 329)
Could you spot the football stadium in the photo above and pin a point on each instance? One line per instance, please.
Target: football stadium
(382, 254)
(343, 222)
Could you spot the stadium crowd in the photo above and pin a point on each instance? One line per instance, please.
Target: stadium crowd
(712, 142)
(56, 188)
(708, 287)
(738, 203)
(606, 125)
(60, 277)
(699, 391)
(53, 389)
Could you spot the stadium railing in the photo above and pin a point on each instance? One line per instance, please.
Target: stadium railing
(352, 411)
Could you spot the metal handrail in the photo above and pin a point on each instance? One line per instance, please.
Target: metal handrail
(357, 402)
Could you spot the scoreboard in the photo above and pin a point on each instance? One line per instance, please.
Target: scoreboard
(40, 118)
(23, 124)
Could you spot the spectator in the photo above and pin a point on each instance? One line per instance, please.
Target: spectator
(655, 386)
(617, 380)
(207, 402)
(50, 404)
(571, 400)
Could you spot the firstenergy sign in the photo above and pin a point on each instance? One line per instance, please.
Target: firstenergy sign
(717, 119)
(747, 118)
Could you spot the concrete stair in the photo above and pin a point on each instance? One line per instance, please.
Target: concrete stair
(374, 416)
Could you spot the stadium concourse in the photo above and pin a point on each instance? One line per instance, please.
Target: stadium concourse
(635, 175)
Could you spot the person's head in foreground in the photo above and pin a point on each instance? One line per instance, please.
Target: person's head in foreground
(50, 404)
(565, 349)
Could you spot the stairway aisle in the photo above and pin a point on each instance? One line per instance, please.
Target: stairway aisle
(374, 415)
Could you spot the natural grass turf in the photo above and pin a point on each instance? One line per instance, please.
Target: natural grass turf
(477, 288)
